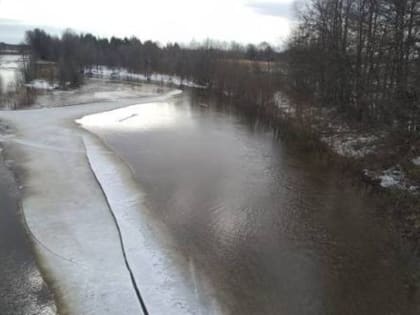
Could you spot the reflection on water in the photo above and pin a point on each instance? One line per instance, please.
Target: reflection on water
(273, 231)
(155, 115)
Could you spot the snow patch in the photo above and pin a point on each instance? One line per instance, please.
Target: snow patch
(40, 84)
(336, 133)
(127, 117)
(354, 146)
(416, 161)
(394, 177)
(124, 74)
(283, 103)
(95, 90)
(388, 181)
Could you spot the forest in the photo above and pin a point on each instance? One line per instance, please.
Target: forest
(74, 52)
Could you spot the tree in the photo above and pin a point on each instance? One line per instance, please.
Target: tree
(359, 56)
(70, 63)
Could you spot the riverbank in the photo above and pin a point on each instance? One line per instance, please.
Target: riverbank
(23, 290)
(378, 158)
(74, 236)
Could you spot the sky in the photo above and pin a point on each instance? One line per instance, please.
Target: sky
(244, 21)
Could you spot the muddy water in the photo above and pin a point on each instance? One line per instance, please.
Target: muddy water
(272, 230)
(22, 289)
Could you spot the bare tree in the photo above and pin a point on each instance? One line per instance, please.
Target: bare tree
(360, 56)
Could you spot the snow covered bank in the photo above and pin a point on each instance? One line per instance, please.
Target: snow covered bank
(67, 213)
(351, 145)
(349, 142)
(123, 74)
(95, 90)
(393, 177)
(40, 84)
(23, 290)
(336, 133)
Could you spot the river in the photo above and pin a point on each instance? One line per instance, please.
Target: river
(272, 229)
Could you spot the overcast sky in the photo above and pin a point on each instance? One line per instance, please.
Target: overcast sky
(161, 20)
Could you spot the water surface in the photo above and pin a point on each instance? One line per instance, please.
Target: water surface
(272, 230)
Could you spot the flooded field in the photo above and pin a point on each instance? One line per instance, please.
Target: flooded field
(271, 230)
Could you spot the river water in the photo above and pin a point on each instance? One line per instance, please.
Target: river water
(272, 230)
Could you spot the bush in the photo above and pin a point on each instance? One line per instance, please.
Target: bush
(69, 74)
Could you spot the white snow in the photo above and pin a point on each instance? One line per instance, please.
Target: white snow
(127, 118)
(123, 74)
(351, 145)
(340, 138)
(95, 90)
(283, 103)
(394, 177)
(416, 161)
(388, 181)
(40, 84)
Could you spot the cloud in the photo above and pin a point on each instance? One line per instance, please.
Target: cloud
(283, 9)
(161, 20)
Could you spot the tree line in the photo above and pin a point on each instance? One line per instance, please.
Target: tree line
(73, 52)
(360, 56)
